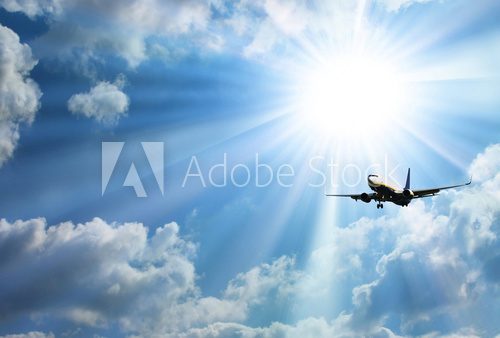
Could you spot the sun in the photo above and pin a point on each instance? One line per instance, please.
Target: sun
(350, 95)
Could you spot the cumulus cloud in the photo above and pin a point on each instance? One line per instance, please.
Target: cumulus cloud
(119, 273)
(19, 94)
(115, 268)
(105, 102)
(486, 164)
(97, 273)
(118, 29)
(258, 288)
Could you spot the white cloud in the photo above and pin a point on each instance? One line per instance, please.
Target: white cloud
(169, 17)
(96, 274)
(32, 334)
(9, 135)
(119, 273)
(116, 28)
(258, 288)
(311, 327)
(105, 102)
(486, 164)
(149, 16)
(33, 8)
(19, 94)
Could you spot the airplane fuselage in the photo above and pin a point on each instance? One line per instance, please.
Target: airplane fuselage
(386, 193)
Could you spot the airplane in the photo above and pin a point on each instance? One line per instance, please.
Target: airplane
(385, 193)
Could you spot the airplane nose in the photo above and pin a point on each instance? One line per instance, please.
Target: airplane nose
(373, 179)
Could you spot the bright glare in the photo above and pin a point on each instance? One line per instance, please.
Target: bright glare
(350, 95)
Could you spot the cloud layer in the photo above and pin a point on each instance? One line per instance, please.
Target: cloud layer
(427, 262)
(116, 29)
(249, 28)
(95, 258)
(147, 285)
(19, 95)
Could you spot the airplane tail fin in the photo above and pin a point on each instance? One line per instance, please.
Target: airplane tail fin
(407, 184)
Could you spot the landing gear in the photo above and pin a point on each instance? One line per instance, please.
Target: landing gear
(380, 205)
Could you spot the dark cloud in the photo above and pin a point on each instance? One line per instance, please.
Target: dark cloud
(92, 272)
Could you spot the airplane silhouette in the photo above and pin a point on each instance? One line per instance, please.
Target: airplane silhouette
(385, 193)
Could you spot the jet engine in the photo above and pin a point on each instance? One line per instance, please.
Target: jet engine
(407, 193)
(365, 197)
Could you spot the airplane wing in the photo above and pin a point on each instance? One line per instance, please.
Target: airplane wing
(353, 196)
(433, 191)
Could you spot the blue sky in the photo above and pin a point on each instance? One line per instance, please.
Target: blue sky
(370, 86)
